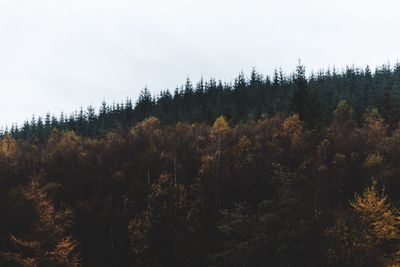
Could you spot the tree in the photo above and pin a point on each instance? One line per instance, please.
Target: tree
(48, 243)
(288, 140)
(276, 232)
(144, 105)
(167, 232)
(218, 134)
(368, 235)
(374, 130)
(299, 99)
(342, 128)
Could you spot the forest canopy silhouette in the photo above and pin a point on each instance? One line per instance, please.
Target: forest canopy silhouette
(280, 170)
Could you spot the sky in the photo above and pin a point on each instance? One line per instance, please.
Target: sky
(60, 55)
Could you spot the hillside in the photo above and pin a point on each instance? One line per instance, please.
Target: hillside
(314, 98)
(281, 170)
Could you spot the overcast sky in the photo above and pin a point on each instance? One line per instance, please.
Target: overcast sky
(62, 54)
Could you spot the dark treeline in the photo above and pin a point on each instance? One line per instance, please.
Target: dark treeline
(314, 98)
(288, 171)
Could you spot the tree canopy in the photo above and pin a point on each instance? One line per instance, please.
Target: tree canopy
(267, 171)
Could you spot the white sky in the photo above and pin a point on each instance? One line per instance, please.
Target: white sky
(62, 54)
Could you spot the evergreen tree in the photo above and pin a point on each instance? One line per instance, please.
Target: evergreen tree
(300, 95)
(144, 105)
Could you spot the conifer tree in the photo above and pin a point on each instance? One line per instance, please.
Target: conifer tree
(369, 235)
(144, 105)
(299, 100)
(48, 243)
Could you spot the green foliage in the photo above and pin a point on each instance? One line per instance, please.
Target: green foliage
(313, 98)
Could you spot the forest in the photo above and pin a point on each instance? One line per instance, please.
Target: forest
(280, 170)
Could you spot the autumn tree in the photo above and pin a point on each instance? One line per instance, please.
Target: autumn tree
(288, 140)
(146, 136)
(368, 234)
(342, 128)
(48, 243)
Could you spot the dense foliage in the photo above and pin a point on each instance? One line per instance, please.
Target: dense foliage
(266, 172)
(313, 98)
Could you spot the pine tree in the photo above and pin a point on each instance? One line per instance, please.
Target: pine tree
(299, 99)
(145, 105)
